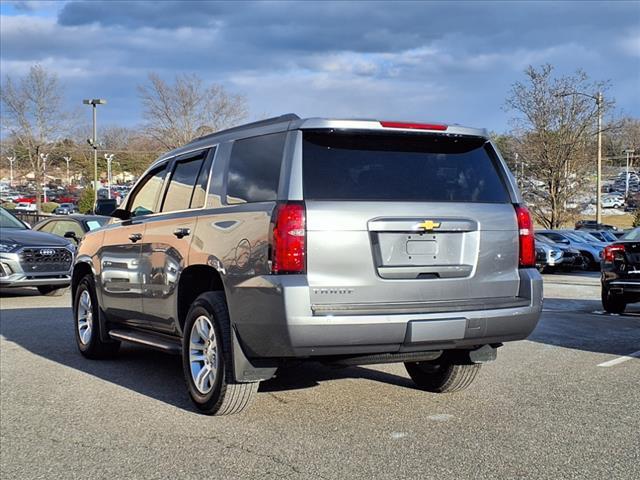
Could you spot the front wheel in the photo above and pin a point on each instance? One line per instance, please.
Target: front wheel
(442, 377)
(207, 359)
(612, 303)
(86, 312)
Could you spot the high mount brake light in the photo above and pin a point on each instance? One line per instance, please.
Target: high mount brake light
(414, 126)
(289, 239)
(609, 254)
(526, 240)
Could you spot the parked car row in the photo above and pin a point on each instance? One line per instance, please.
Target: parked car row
(41, 256)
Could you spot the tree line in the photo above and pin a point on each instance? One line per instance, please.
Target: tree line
(39, 132)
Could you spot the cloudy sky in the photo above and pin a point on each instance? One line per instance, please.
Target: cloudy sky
(451, 62)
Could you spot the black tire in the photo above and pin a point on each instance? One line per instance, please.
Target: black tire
(590, 261)
(442, 377)
(92, 347)
(51, 291)
(225, 397)
(612, 303)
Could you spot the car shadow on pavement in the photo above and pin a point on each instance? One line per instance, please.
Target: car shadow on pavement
(144, 370)
(582, 325)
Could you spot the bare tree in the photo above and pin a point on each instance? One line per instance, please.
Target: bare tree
(554, 137)
(176, 114)
(623, 135)
(32, 114)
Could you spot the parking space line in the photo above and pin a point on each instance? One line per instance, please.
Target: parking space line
(619, 360)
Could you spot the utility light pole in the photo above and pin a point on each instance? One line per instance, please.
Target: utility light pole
(94, 142)
(599, 173)
(109, 158)
(598, 99)
(68, 159)
(11, 160)
(44, 157)
(629, 151)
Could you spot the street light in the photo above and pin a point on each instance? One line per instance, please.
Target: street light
(598, 99)
(44, 157)
(68, 159)
(626, 187)
(11, 160)
(109, 158)
(94, 141)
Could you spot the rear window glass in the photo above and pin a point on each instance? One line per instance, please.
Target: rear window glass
(254, 169)
(429, 168)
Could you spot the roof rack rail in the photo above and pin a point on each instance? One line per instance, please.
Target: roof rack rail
(287, 117)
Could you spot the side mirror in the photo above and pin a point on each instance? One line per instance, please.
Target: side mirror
(121, 214)
(565, 242)
(72, 236)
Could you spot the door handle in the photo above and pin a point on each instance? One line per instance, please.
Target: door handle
(182, 232)
(134, 237)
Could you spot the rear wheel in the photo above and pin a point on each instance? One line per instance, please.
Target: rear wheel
(590, 262)
(442, 377)
(207, 361)
(86, 312)
(51, 291)
(612, 303)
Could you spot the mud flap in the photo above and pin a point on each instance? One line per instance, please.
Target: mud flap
(244, 370)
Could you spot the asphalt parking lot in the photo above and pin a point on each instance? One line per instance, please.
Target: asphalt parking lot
(563, 404)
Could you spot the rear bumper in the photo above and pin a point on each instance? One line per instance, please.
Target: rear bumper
(624, 287)
(274, 318)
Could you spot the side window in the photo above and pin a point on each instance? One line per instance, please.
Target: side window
(145, 197)
(65, 226)
(48, 227)
(183, 181)
(200, 192)
(254, 168)
(555, 237)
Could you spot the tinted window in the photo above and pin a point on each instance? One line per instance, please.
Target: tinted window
(632, 235)
(47, 227)
(96, 223)
(254, 169)
(184, 177)
(9, 221)
(429, 168)
(200, 193)
(63, 226)
(145, 198)
(554, 237)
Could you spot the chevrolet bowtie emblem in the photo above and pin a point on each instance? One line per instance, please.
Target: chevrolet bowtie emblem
(429, 225)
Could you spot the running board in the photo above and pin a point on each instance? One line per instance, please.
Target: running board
(159, 342)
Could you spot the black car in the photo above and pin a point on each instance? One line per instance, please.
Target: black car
(593, 225)
(105, 206)
(71, 226)
(621, 272)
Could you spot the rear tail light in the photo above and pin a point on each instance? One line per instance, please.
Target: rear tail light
(527, 256)
(610, 251)
(289, 238)
(414, 126)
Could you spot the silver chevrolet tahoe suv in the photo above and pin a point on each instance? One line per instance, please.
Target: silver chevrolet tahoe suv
(347, 242)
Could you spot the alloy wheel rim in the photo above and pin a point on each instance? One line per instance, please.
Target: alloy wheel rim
(85, 318)
(203, 354)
